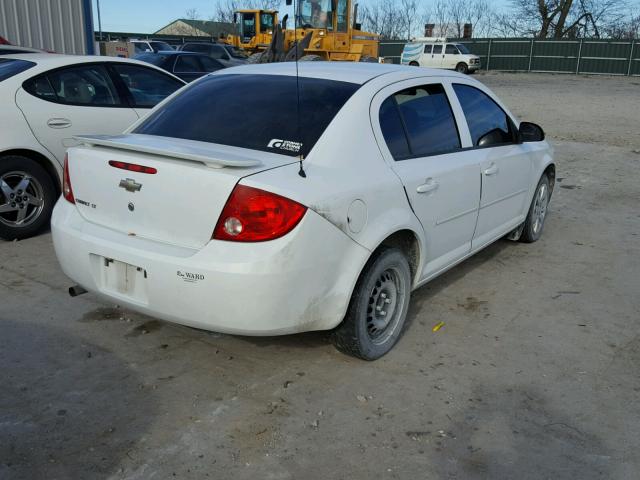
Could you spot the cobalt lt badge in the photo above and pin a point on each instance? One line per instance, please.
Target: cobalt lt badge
(131, 206)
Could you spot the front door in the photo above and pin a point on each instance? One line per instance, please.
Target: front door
(451, 56)
(78, 100)
(505, 164)
(436, 57)
(442, 181)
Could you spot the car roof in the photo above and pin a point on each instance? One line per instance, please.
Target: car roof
(174, 52)
(353, 72)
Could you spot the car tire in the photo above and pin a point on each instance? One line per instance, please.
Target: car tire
(311, 58)
(33, 202)
(255, 57)
(462, 68)
(378, 308)
(534, 224)
(414, 64)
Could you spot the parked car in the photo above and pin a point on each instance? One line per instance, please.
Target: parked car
(150, 46)
(14, 49)
(236, 211)
(188, 66)
(46, 100)
(228, 55)
(439, 53)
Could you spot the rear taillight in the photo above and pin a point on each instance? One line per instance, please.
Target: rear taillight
(67, 191)
(254, 215)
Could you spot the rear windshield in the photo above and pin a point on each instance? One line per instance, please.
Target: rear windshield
(10, 67)
(252, 111)
(160, 46)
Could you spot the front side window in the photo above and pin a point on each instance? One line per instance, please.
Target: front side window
(234, 110)
(141, 47)
(428, 121)
(248, 26)
(315, 14)
(85, 85)
(148, 87)
(187, 64)
(463, 48)
(451, 50)
(216, 51)
(10, 67)
(341, 16)
(266, 22)
(488, 123)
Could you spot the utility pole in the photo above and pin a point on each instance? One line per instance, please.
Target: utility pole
(99, 20)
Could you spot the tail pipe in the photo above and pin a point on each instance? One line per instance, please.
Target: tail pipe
(76, 290)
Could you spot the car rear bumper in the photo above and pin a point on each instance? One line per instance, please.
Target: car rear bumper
(300, 282)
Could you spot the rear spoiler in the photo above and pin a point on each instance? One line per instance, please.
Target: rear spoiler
(212, 155)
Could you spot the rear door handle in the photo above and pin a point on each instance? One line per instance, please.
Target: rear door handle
(59, 122)
(429, 186)
(492, 170)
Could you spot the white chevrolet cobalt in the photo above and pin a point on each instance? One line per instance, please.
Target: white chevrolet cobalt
(234, 208)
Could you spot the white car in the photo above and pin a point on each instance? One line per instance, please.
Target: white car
(47, 99)
(438, 53)
(222, 211)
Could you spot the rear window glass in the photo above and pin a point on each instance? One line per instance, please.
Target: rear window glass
(252, 111)
(10, 67)
(152, 58)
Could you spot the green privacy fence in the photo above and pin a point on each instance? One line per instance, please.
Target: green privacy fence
(590, 56)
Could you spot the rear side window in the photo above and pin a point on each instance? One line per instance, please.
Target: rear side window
(147, 86)
(85, 85)
(187, 64)
(210, 65)
(428, 121)
(252, 111)
(488, 123)
(10, 67)
(392, 129)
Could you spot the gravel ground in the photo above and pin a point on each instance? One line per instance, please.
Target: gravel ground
(533, 375)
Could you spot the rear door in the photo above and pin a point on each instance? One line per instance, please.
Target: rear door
(505, 164)
(77, 100)
(436, 57)
(441, 180)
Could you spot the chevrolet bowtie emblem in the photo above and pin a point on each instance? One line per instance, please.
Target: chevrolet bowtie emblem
(130, 185)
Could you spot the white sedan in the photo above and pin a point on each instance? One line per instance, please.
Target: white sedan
(47, 99)
(232, 208)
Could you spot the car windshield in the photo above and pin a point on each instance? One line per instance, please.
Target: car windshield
(252, 111)
(160, 46)
(10, 67)
(315, 14)
(463, 49)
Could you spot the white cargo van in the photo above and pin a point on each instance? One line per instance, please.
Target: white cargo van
(439, 53)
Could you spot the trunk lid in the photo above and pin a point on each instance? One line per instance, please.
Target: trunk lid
(179, 204)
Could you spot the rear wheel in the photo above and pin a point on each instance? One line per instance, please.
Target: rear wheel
(27, 196)
(534, 223)
(311, 58)
(414, 64)
(378, 307)
(462, 68)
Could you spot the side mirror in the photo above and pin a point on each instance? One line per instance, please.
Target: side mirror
(235, 17)
(492, 137)
(289, 2)
(530, 132)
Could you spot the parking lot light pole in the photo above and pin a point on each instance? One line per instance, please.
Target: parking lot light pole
(99, 20)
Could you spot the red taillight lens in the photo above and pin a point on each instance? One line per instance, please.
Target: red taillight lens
(253, 215)
(67, 191)
(132, 167)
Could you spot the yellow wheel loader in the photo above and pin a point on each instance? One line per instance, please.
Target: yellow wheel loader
(324, 30)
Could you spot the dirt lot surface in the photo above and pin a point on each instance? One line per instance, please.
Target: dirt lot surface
(534, 374)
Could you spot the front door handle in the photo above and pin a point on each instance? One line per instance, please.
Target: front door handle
(429, 186)
(59, 122)
(492, 170)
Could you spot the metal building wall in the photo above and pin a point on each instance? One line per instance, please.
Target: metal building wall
(62, 26)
